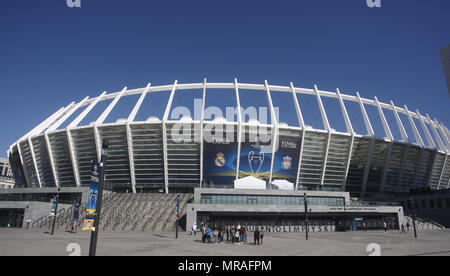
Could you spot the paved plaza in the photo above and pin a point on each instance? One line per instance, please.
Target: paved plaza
(19, 242)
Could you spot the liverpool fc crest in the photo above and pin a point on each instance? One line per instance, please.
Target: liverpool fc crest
(287, 163)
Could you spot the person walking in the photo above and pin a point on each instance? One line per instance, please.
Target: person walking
(232, 234)
(203, 233)
(256, 236)
(403, 229)
(194, 229)
(385, 227)
(237, 236)
(407, 225)
(244, 234)
(227, 232)
(261, 235)
(208, 234)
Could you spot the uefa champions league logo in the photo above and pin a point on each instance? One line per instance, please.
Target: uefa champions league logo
(373, 3)
(73, 3)
(256, 160)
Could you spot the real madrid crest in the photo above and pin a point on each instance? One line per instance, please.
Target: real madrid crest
(220, 160)
(287, 163)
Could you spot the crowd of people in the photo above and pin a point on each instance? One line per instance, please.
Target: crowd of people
(235, 234)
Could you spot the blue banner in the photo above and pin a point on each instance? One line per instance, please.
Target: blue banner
(219, 162)
(53, 209)
(256, 156)
(285, 164)
(91, 209)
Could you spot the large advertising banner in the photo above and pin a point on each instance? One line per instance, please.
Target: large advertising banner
(220, 159)
(91, 209)
(285, 164)
(256, 154)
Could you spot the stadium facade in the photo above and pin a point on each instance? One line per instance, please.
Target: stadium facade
(183, 154)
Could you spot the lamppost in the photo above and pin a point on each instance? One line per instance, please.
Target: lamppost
(56, 211)
(177, 215)
(94, 234)
(413, 217)
(305, 200)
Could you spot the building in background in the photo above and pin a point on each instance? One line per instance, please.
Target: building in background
(445, 56)
(6, 175)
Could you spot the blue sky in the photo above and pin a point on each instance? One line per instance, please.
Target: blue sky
(51, 55)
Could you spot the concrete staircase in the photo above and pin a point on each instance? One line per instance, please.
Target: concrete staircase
(425, 224)
(152, 212)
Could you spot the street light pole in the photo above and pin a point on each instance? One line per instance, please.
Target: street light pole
(413, 217)
(56, 211)
(306, 215)
(94, 234)
(177, 214)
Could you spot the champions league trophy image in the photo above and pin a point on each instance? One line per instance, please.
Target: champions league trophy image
(256, 160)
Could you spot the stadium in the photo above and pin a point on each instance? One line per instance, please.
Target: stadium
(175, 152)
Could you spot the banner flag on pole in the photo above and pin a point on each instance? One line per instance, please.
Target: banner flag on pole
(91, 210)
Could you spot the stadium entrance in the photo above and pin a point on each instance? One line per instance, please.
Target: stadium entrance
(284, 211)
(11, 218)
(285, 222)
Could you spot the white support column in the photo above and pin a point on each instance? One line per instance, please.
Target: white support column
(130, 119)
(347, 167)
(327, 128)
(350, 130)
(131, 157)
(325, 159)
(348, 123)
(202, 118)
(400, 124)
(66, 116)
(443, 135)
(42, 126)
(442, 173)
(445, 132)
(301, 121)
(108, 110)
(416, 167)
(436, 135)
(326, 124)
(425, 129)
(52, 163)
(367, 168)
(274, 131)
(300, 158)
(414, 128)
(387, 130)
(25, 169)
(164, 130)
(238, 103)
(33, 157)
(138, 104)
(83, 114)
(386, 166)
(369, 128)
(402, 168)
(76, 173)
